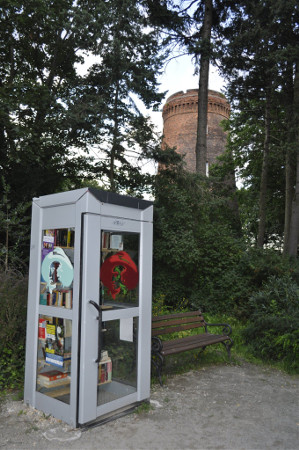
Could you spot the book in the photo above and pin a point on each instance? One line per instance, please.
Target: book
(52, 375)
(105, 368)
(56, 360)
(64, 237)
(67, 328)
(48, 243)
(42, 328)
(105, 239)
(42, 381)
(59, 297)
(66, 298)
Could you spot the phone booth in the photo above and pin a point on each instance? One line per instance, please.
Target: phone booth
(89, 305)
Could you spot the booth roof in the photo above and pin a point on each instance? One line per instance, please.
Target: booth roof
(121, 200)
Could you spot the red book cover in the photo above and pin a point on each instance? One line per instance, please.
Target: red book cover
(52, 375)
(42, 329)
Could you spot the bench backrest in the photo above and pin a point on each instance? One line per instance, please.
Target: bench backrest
(172, 323)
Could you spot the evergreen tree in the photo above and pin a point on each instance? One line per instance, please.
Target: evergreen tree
(259, 59)
(39, 40)
(130, 62)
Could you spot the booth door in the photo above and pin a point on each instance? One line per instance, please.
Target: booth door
(108, 360)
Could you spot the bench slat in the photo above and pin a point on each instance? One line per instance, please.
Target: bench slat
(158, 332)
(185, 346)
(174, 316)
(203, 337)
(170, 323)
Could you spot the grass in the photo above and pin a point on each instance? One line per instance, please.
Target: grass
(145, 407)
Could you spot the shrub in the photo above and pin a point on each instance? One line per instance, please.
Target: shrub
(13, 307)
(195, 242)
(272, 332)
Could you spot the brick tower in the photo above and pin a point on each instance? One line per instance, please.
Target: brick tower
(180, 125)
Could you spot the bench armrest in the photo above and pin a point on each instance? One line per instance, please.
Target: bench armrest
(227, 330)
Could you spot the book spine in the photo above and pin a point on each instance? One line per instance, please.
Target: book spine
(69, 237)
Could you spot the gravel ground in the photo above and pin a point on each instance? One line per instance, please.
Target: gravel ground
(231, 407)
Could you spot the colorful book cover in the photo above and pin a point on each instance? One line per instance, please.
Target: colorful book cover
(55, 360)
(42, 328)
(48, 243)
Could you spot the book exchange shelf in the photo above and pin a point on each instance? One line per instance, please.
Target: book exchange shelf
(89, 305)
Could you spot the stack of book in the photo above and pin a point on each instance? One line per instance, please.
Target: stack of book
(60, 298)
(64, 237)
(53, 378)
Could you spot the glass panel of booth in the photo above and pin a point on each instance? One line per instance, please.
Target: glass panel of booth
(119, 269)
(117, 375)
(54, 357)
(57, 267)
(55, 333)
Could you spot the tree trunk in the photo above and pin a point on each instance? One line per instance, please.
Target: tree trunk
(292, 247)
(202, 118)
(294, 223)
(264, 175)
(290, 164)
(289, 195)
(114, 140)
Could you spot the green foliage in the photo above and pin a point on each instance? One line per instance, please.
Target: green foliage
(51, 116)
(14, 231)
(196, 246)
(198, 253)
(259, 60)
(13, 307)
(160, 308)
(128, 59)
(272, 332)
(255, 268)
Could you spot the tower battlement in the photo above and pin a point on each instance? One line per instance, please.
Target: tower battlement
(180, 124)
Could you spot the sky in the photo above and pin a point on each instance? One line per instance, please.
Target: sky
(179, 76)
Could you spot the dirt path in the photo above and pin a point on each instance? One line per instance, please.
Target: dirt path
(220, 407)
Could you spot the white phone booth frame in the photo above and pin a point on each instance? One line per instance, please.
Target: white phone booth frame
(89, 213)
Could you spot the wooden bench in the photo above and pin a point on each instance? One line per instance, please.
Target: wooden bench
(171, 323)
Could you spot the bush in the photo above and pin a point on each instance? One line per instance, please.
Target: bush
(228, 284)
(196, 243)
(13, 307)
(199, 254)
(272, 332)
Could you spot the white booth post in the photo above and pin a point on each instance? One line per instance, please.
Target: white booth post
(88, 346)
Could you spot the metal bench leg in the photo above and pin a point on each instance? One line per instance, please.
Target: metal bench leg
(228, 346)
(158, 363)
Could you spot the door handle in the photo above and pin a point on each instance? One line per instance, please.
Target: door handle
(97, 307)
(100, 330)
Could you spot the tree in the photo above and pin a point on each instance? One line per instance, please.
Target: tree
(39, 40)
(130, 62)
(259, 58)
(293, 238)
(204, 64)
(39, 51)
(50, 116)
